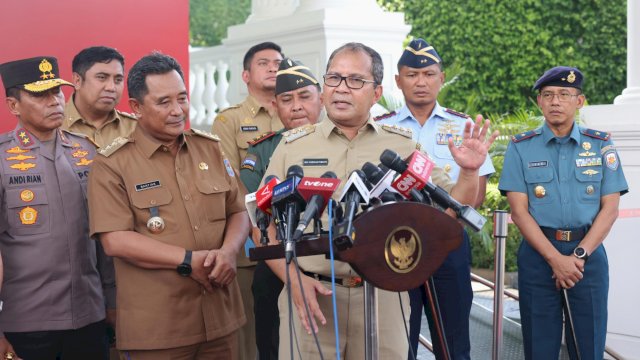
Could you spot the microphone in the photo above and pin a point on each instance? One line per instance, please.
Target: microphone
(316, 192)
(383, 180)
(355, 192)
(287, 199)
(415, 175)
(263, 211)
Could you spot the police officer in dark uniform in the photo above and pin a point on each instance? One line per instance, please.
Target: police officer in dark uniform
(298, 103)
(52, 294)
(563, 183)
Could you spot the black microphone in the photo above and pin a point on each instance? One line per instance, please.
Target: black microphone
(287, 199)
(318, 191)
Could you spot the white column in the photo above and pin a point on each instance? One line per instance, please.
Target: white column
(268, 9)
(311, 5)
(631, 95)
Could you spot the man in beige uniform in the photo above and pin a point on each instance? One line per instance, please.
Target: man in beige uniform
(237, 126)
(343, 143)
(167, 205)
(98, 78)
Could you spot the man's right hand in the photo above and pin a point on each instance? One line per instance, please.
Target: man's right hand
(567, 270)
(199, 272)
(311, 287)
(5, 348)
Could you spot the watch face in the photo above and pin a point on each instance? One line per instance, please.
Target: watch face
(184, 269)
(579, 252)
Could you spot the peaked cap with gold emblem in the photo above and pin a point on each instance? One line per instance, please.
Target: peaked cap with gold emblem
(564, 76)
(419, 54)
(293, 75)
(36, 74)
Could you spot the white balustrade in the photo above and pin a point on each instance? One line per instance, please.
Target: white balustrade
(208, 84)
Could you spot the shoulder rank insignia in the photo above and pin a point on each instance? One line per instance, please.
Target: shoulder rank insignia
(65, 140)
(456, 113)
(384, 116)
(601, 135)
(398, 130)
(525, 135)
(297, 133)
(261, 138)
(126, 114)
(205, 134)
(116, 144)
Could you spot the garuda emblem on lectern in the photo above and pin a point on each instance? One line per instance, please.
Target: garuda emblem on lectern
(403, 250)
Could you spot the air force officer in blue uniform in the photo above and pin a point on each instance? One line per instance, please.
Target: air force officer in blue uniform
(420, 77)
(563, 183)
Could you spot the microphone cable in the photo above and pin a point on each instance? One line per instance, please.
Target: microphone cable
(334, 301)
(406, 331)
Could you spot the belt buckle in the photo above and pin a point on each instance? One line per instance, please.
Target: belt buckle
(563, 235)
(352, 281)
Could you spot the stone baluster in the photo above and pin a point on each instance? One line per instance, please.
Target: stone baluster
(209, 93)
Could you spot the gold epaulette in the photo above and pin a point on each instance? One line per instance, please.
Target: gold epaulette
(398, 130)
(116, 144)
(261, 138)
(126, 114)
(205, 134)
(297, 133)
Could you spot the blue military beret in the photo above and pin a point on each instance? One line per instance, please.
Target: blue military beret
(293, 75)
(419, 54)
(564, 76)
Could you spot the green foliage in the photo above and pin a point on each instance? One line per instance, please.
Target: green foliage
(209, 19)
(505, 45)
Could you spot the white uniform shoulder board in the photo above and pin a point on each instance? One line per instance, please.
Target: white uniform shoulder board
(116, 144)
(205, 134)
(398, 130)
(297, 133)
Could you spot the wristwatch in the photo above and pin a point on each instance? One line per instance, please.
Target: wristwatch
(581, 253)
(184, 269)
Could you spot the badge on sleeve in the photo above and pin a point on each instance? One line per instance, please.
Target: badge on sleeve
(612, 160)
(249, 162)
(227, 166)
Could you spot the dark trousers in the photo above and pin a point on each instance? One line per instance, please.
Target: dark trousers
(266, 289)
(453, 288)
(89, 342)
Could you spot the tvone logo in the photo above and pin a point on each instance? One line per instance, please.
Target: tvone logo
(406, 183)
(316, 183)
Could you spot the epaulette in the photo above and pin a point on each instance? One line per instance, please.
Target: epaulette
(261, 138)
(229, 108)
(398, 130)
(297, 133)
(6, 137)
(525, 135)
(384, 116)
(205, 134)
(456, 113)
(116, 144)
(126, 114)
(80, 135)
(601, 135)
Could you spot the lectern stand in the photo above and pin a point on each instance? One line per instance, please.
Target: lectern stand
(397, 247)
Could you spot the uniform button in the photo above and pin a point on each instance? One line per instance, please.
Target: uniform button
(152, 202)
(186, 197)
(196, 228)
(164, 148)
(215, 188)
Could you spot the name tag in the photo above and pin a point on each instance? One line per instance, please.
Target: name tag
(534, 164)
(147, 186)
(315, 162)
(248, 128)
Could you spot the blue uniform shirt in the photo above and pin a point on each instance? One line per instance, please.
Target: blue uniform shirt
(564, 178)
(434, 135)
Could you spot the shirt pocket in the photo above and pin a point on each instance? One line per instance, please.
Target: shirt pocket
(28, 211)
(540, 180)
(442, 152)
(213, 198)
(588, 186)
(147, 199)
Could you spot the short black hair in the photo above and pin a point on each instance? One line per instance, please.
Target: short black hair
(13, 92)
(246, 63)
(377, 68)
(155, 63)
(85, 59)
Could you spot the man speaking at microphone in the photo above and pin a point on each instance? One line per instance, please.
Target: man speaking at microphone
(298, 103)
(420, 77)
(343, 143)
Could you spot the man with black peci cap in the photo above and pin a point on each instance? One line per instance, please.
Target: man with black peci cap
(420, 77)
(563, 183)
(298, 103)
(52, 295)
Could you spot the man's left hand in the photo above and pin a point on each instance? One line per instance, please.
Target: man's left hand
(224, 266)
(475, 145)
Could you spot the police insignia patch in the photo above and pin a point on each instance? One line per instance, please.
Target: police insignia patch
(227, 166)
(28, 215)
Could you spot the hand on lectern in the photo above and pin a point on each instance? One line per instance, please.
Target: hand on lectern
(312, 288)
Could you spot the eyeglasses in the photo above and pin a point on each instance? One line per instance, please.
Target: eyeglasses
(562, 97)
(352, 82)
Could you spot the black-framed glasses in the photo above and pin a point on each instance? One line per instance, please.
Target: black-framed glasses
(354, 83)
(562, 97)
